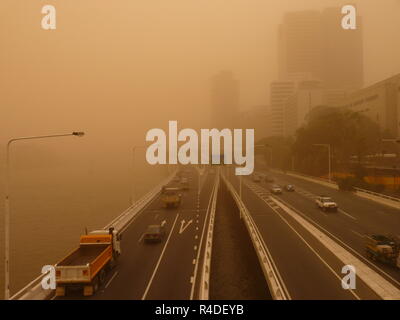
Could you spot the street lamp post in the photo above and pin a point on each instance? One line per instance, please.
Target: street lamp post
(7, 204)
(329, 157)
(133, 193)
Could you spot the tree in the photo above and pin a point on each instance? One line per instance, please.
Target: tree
(348, 133)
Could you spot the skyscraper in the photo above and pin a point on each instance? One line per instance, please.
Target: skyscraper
(280, 92)
(299, 45)
(314, 48)
(313, 45)
(224, 100)
(341, 52)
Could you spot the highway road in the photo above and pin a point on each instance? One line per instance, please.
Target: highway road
(164, 270)
(356, 217)
(292, 228)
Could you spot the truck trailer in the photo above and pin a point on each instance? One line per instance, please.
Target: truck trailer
(86, 267)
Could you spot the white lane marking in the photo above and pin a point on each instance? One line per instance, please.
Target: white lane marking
(201, 244)
(159, 259)
(347, 214)
(196, 236)
(195, 248)
(375, 281)
(141, 238)
(183, 226)
(358, 234)
(111, 279)
(316, 253)
(276, 203)
(194, 261)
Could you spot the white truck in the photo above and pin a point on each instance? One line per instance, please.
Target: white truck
(326, 203)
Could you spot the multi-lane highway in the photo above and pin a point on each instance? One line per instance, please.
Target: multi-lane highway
(309, 247)
(163, 270)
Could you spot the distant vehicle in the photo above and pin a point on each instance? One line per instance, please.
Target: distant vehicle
(154, 233)
(275, 189)
(326, 203)
(185, 183)
(384, 249)
(256, 178)
(289, 187)
(86, 267)
(269, 179)
(171, 197)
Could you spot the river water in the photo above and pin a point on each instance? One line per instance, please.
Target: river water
(52, 206)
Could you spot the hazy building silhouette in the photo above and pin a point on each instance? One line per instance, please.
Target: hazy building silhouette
(319, 61)
(342, 53)
(308, 95)
(299, 43)
(279, 93)
(380, 102)
(224, 100)
(313, 45)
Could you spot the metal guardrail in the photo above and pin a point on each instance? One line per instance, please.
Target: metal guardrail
(204, 288)
(121, 222)
(264, 256)
(34, 290)
(380, 195)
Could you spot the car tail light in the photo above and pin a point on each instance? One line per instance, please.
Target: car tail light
(58, 273)
(85, 272)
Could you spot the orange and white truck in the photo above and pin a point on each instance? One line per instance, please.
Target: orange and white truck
(86, 267)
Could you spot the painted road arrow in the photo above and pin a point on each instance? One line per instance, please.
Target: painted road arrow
(183, 227)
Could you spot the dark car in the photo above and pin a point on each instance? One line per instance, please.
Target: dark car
(154, 233)
(289, 187)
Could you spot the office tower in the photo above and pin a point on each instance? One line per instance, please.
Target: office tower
(280, 92)
(224, 100)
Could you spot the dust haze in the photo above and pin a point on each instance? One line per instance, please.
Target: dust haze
(116, 69)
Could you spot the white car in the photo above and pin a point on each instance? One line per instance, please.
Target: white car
(326, 203)
(275, 189)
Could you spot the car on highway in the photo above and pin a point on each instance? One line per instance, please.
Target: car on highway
(289, 187)
(275, 189)
(256, 178)
(171, 197)
(154, 233)
(326, 203)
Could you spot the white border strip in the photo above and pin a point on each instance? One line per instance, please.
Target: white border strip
(275, 282)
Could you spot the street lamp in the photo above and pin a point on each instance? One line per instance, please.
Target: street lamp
(7, 203)
(329, 157)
